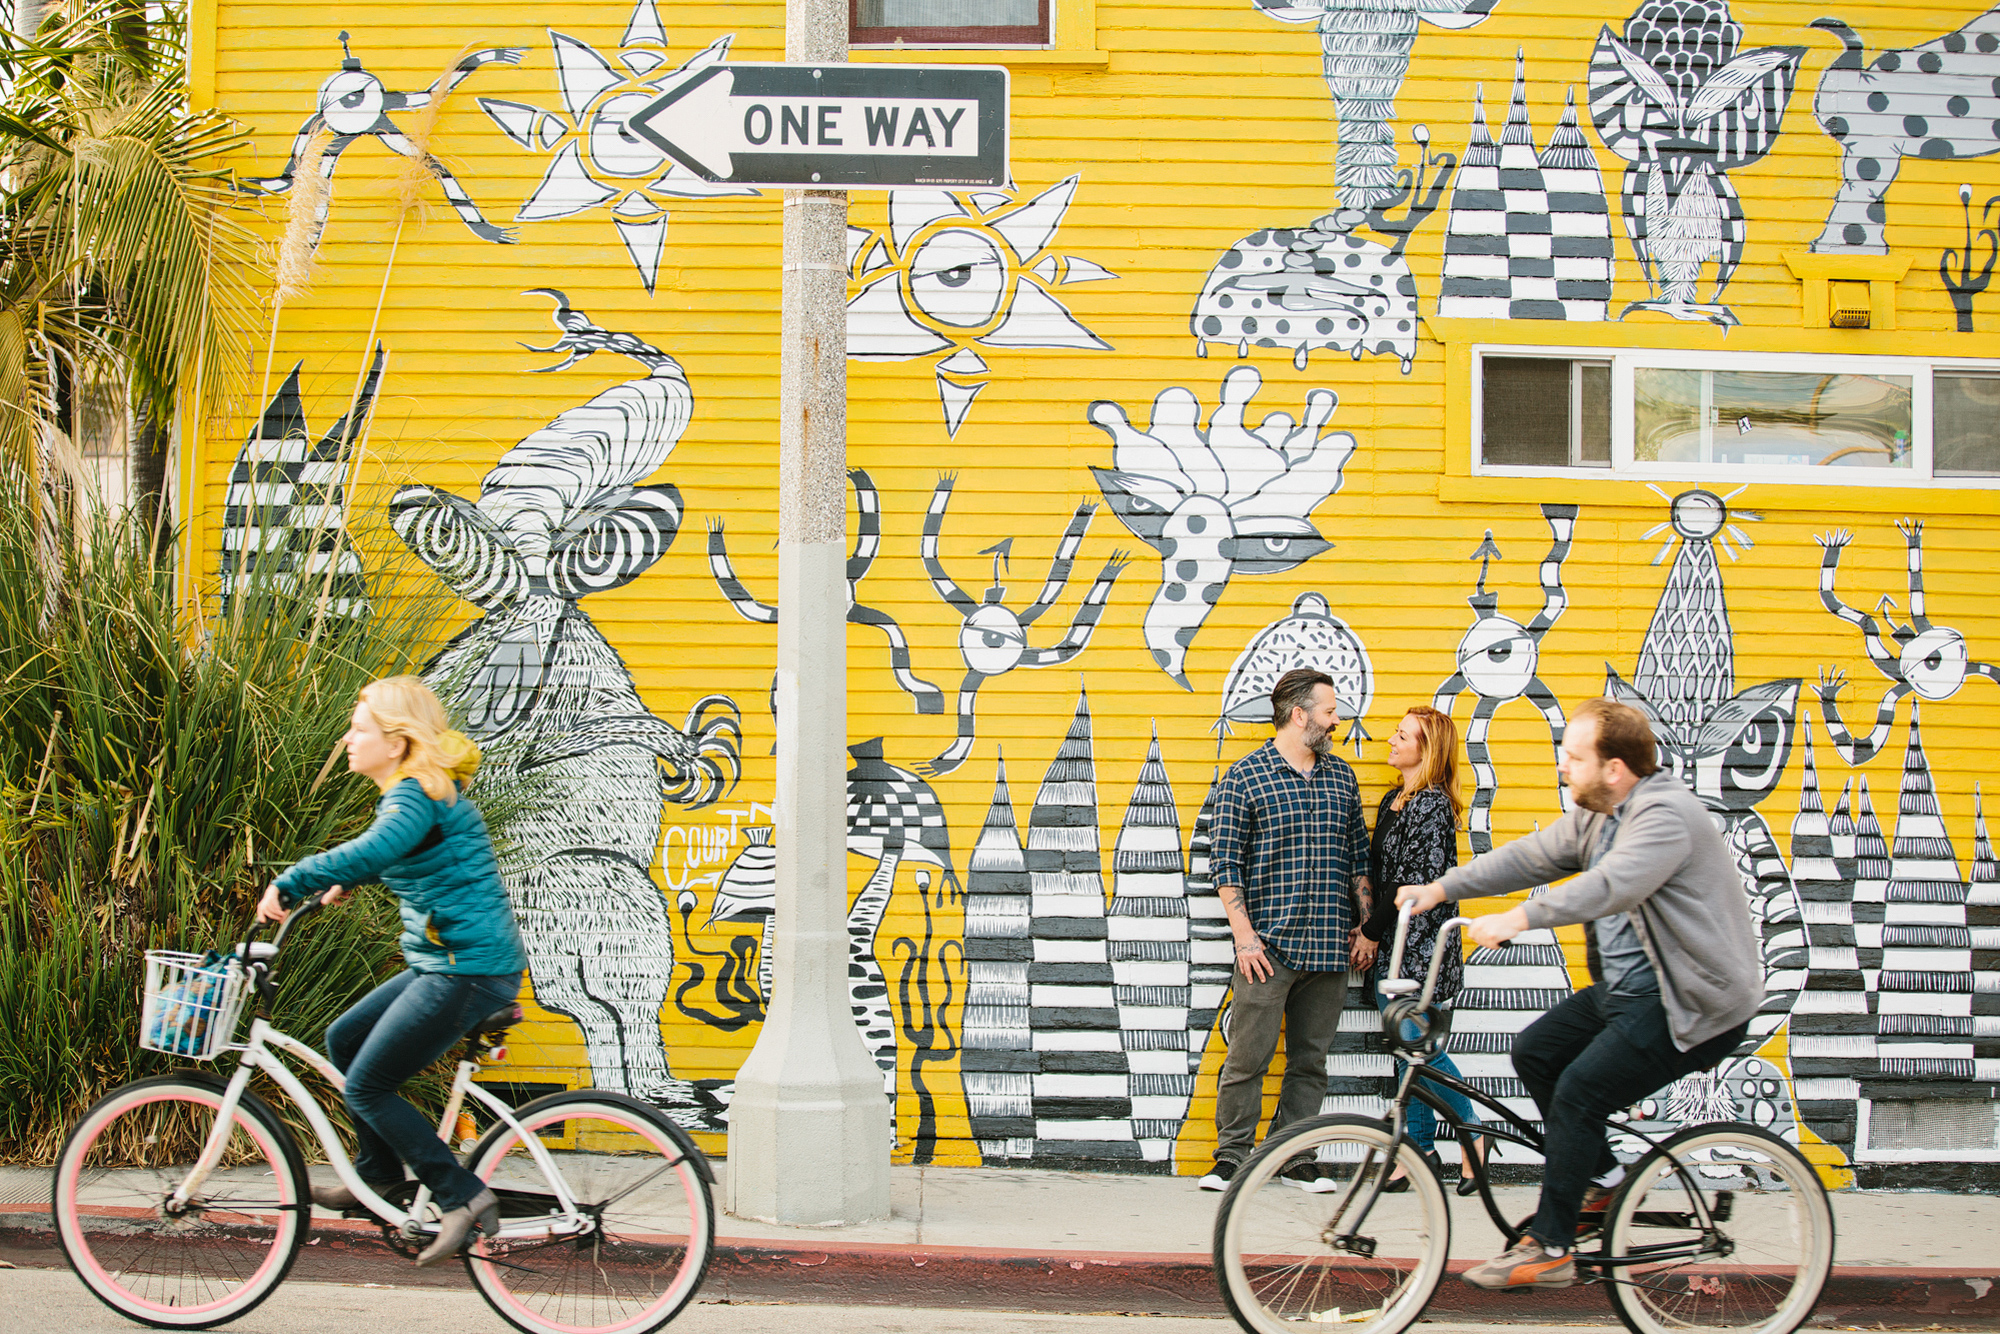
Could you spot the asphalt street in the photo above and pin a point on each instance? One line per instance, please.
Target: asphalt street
(39, 1300)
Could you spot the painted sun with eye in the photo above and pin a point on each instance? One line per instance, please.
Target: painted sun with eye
(597, 158)
(953, 273)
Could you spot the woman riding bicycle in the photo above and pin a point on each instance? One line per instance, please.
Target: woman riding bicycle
(463, 950)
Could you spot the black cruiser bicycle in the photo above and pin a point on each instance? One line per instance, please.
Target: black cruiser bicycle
(1720, 1227)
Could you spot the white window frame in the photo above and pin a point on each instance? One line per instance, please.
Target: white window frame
(1624, 360)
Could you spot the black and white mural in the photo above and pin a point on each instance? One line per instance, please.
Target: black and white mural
(353, 104)
(1529, 232)
(1920, 658)
(1312, 636)
(994, 638)
(1936, 101)
(1319, 283)
(1087, 1017)
(1676, 98)
(1729, 745)
(1499, 661)
(1218, 500)
(953, 274)
(284, 517)
(562, 515)
(867, 546)
(595, 160)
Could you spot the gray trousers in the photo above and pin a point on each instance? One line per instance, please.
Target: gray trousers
(1308, 1005)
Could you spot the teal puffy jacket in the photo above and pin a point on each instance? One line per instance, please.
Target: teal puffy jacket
(438, 861)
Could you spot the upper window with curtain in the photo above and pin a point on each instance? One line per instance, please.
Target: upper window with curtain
(949, 22)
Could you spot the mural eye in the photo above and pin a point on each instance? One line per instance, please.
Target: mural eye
(1267, 544)
(1933, 662)
(994, 639)
(353, 99)
(613, 147)
(1499, 653)
(958, 278)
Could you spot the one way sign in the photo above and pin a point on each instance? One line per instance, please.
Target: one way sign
(835, 126)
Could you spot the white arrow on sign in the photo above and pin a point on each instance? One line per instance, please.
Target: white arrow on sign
(707, 122)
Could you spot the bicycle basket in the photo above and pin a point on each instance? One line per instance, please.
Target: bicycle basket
(192, 1003)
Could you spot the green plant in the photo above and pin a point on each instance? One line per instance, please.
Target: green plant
(121, 260)
(154, 770)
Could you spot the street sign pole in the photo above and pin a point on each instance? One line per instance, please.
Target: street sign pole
(809, 1127)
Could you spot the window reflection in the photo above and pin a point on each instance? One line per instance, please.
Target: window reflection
(1770, 418)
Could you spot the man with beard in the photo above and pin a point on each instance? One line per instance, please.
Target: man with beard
(1290, 861)
(1674, 970)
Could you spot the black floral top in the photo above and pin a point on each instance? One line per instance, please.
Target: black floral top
(1414, 846)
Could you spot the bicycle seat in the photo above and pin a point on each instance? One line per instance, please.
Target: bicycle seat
(500, 1020)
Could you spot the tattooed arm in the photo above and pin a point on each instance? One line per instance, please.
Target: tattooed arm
(1229, 844)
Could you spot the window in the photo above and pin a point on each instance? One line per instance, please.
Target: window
(1770, 418)
(949, 22)
(1966, 410)
(1797, 418)
(1546, 412)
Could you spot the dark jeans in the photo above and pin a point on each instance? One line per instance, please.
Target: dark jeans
(1308, 1007)
(389, 1035)
(1590, 1056)
(1419, 1119)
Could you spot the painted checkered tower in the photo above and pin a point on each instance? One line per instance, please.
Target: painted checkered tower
(1529, 236)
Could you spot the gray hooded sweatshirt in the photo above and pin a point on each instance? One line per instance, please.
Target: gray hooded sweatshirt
(1668, 867)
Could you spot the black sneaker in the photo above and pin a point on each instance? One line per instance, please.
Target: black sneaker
(1309, 1177)
(1220, 1175)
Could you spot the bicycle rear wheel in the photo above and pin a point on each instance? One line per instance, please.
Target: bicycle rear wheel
(1284, 1255)
(1749, 1256)
(209, 1262)
(643, 1184)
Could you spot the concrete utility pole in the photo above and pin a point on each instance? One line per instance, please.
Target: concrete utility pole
(809, 1129)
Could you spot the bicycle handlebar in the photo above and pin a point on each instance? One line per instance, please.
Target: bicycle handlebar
(1394, 984)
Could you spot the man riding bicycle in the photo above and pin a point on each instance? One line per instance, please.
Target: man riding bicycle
(1674, 967)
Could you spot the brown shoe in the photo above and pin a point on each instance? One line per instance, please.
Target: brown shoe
(1526, 1264)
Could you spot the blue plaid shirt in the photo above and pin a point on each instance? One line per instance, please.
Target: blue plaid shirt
(1297, 845)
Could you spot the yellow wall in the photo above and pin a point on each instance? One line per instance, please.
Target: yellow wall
(1191, 125)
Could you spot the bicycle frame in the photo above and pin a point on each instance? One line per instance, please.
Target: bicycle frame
(1416, 1062)
(257, 1055)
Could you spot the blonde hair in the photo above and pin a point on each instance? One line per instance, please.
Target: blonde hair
(438, 757)
(1439, 765)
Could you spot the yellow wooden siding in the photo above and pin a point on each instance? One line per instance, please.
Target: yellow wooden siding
(1208, 122)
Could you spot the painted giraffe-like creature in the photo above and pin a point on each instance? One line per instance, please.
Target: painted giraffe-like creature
(867, 545)
(994, 638)
(569, 744)
(1922, 658)
(1499, 661)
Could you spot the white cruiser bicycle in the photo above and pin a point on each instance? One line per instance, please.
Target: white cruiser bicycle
(182, 1201)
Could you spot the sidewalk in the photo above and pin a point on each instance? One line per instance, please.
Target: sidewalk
(1088, 1242)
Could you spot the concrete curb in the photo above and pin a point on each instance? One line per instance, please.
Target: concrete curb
(1081, 1282)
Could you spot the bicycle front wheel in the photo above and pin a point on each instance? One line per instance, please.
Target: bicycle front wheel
(1739, 1238)
(643, 1188)
(209, 1261)
(1285, 1255)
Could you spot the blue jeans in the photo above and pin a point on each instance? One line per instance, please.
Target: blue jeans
(1420, 1120)
(388, 1036)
